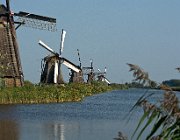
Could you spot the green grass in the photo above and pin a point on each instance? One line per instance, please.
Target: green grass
(30, 93)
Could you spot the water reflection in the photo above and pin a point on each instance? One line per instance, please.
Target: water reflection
(42, 131)
(58, 132)
(9, 130)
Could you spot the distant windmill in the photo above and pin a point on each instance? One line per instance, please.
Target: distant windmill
(51, 66)
(11, 70)
(102, 76)
(178, 69)
(89, 71)
(93, 76)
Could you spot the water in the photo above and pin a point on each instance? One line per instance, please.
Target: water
(98, 117)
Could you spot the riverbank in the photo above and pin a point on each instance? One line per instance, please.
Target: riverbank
(33, 94)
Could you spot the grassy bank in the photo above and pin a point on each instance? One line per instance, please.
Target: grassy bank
(50, 93)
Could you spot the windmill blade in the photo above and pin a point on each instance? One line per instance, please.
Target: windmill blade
(79, 58)
(99, 73)
(36, 21)
(47, 47)
(105, 69)
(62, 41)
(91, 62)
(86, 68)
(70, 65)
(56, 68)
(107, 81)
(34, 16)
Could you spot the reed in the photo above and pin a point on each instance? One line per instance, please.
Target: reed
(164, 116)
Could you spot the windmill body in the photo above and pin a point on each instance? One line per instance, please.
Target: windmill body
(49, 70)
(10, 69)
(11, 73)
(76, 77)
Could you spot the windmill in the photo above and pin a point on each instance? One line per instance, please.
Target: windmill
(102, 76)
(93, 76)
(178, 68)
(89, 71)
(51, 66)
(10, 65)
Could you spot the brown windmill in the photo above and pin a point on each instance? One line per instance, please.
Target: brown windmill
(11, 73)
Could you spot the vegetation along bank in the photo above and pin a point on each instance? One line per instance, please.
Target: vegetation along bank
(30, 93)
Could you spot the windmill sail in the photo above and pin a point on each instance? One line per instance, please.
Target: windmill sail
(36, 21)
(55, 72)
(62, 41)
(107, 81)
(70, 65)
(47, 47)
(34, 16)
(79, 58)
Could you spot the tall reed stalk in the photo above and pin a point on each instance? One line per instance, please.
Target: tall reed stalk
(164, 116)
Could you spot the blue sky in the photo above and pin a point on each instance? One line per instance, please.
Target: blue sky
(111, 32)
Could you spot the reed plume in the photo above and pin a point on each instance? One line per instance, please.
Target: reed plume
(140, 75)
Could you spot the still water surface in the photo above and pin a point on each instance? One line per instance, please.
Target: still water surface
(98, 117)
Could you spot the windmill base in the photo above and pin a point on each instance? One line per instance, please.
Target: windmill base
(11, 82)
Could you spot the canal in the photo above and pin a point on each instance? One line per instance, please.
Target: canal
(98, 117)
